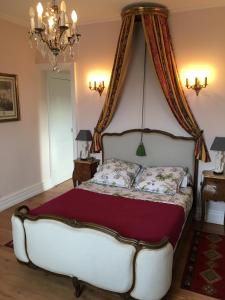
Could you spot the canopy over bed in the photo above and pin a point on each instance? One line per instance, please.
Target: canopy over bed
(157, 36)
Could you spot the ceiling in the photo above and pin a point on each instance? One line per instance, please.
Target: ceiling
(90, 11)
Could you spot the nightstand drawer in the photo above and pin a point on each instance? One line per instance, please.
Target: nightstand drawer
(214, 189)
(82, 177)
(83, 169)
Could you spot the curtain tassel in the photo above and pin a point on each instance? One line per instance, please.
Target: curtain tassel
(141, 150)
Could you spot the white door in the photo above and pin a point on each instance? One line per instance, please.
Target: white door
(60, 126)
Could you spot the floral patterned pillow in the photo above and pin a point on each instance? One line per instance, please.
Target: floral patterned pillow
(116, 172)
(160, 180)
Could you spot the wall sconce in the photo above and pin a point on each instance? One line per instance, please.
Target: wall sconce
(98, 88)
(197, 86)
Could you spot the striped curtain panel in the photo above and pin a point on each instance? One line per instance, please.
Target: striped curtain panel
(160, 47)
(117, 80)
(159, 44)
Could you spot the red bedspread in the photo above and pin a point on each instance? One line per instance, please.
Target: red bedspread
(140, 220)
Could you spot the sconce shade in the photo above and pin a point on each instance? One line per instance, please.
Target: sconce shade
(218, 144)
(84, 135)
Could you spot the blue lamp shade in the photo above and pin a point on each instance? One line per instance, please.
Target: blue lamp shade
(84, 135)
(218, 144)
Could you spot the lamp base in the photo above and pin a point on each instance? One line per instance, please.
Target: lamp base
(84, 154)
(218, 173)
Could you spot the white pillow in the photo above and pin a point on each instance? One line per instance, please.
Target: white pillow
(116, 172)
(161, 180)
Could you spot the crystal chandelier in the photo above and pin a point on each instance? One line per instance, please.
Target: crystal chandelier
(53, 32)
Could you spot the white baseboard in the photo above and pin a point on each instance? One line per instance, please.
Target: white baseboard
(24, 194)
(213, 216)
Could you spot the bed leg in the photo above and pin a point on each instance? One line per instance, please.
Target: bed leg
(77, 286)
(126, 296)
(32, 266)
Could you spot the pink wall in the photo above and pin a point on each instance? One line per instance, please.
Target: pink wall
(96, 51)
(20, 161)
(198, 37)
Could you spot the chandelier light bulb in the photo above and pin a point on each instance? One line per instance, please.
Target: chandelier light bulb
(39, 9)
(32, 15)
(63, 6)
(62, 13)
(74, 16)
(50, 23)
(39, 12)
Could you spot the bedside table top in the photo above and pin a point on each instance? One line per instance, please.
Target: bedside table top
(210, 174)
(88, 161)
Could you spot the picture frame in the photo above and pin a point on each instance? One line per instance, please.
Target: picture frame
(9, 98)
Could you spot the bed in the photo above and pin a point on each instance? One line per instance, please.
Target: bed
(109, 242)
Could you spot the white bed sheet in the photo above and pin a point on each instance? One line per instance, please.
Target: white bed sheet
(183, 198)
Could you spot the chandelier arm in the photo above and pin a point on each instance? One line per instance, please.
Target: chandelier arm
(48, 43)
(61, 34)
(63, 48)
(73, 39)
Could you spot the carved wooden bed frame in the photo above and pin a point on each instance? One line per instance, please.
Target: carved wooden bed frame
(145, 268)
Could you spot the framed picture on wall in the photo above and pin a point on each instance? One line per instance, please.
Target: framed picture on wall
(9, 98)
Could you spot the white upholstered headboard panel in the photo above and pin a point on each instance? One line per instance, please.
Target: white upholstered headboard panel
(162, 148)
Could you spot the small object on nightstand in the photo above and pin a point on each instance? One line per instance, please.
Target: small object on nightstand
(213, 188)
(84, 136)
(84, 170)
(218, 145)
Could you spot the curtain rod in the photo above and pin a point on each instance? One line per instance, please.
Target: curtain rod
(139, 9)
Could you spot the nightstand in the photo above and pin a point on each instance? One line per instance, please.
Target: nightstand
(84, 170)
(213, 188)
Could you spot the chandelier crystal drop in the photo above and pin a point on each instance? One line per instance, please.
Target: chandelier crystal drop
(53, 32)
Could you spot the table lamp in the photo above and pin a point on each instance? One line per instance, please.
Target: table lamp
(219, 146)
(84, 136)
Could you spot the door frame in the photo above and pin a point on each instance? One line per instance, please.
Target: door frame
(66, 68)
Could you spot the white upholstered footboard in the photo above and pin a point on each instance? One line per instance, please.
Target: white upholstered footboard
(95, 255)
